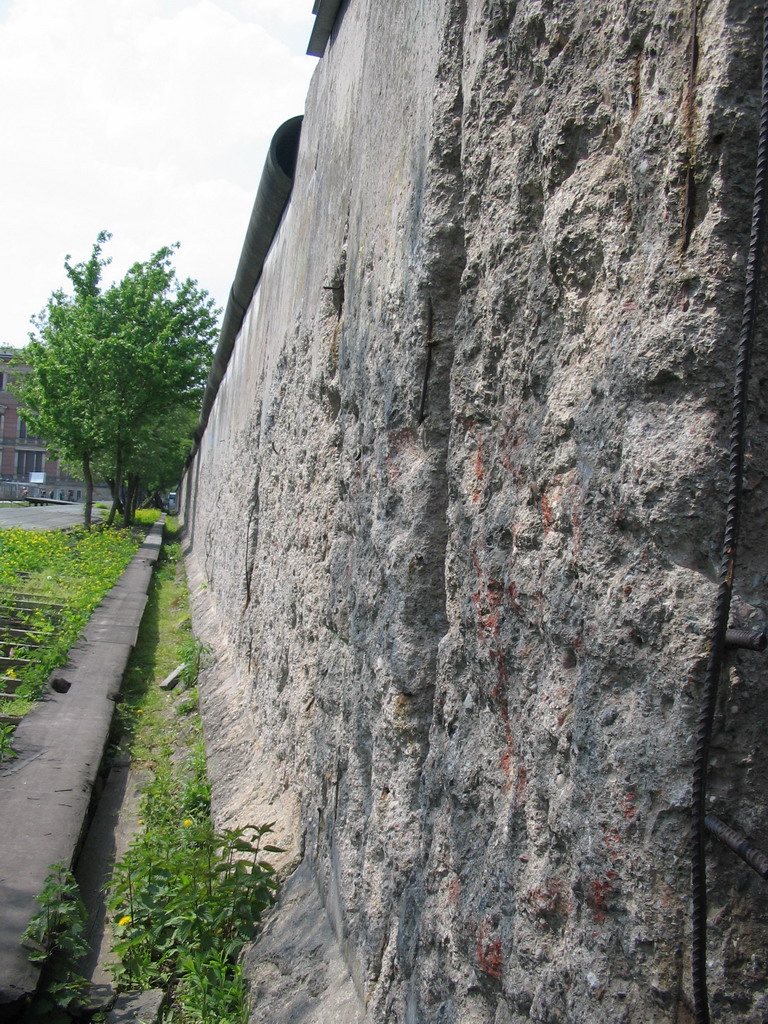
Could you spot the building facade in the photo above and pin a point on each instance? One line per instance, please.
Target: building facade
(24, 459)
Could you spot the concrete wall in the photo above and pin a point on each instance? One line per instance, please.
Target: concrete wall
(459, 506)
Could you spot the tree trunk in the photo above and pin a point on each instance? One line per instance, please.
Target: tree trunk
(115, 486)
(130, 498)
(136, 497)
(88, 478)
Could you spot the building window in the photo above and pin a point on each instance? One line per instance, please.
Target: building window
(28, 462)
(24, 434)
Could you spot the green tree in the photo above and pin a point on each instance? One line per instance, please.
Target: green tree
(60, 394)
(156, 456)
(107, 365)
(157, 354)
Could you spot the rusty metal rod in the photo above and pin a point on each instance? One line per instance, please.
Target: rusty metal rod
(747, 639)
(739, 843)
(736, 459)
(425, 387)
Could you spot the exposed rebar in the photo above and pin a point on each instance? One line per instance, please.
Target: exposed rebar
(747, 639)
(728, 561)
(739, 843)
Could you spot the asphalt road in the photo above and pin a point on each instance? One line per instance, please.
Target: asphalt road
(42, 517)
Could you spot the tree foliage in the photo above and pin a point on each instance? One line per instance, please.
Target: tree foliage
(116, 373)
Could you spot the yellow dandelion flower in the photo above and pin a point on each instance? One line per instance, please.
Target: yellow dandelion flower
(187, 822)
(124, 921)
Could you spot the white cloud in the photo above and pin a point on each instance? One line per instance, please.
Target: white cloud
(147, 118)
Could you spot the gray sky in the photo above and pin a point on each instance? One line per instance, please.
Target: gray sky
(146, 118)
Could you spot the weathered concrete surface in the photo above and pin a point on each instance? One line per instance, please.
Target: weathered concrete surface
(46, 791)
(296, 971)
(460, 500)
(137, 1008)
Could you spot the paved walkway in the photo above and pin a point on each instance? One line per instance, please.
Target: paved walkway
(42, 517)
(45, 792)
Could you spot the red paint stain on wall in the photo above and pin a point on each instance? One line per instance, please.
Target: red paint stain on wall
(600, 889)
(488, 954)
(509, 441)
(576, 542)
(612, 840)
(669, 896)
(550, 897)
(628, 808)
(479, 463)
(547, 515)
(398, 442)
(487, 601)
(476, 561)
(499, 694)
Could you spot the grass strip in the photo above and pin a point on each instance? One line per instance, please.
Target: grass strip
(186, 897)
(50, 583)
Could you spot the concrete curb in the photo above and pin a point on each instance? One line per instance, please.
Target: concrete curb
(46, 791)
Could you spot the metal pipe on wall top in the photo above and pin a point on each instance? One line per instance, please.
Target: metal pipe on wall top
(271, 200)
(326, 12)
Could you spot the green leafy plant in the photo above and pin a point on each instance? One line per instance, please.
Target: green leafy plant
(195, 654)
(188, 704)
(212, 989)
(196, 794)
(57, 937)
(189, 887)
(6, 742)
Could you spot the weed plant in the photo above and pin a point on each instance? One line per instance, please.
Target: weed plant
(55, 938)
(6, 742)
(195, 656)
(186, 898)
